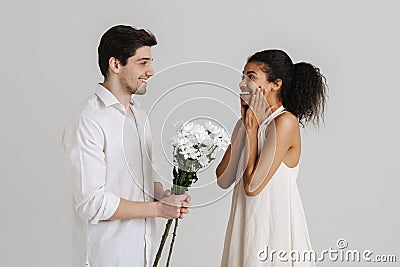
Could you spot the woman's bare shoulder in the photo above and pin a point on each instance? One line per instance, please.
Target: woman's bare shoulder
(287, 118)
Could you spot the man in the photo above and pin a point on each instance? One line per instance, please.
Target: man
(109, 150)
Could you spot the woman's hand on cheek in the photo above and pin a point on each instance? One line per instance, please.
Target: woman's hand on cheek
(258, 110)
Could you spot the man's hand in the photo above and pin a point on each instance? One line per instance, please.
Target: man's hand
(185, 205)
(173, 206)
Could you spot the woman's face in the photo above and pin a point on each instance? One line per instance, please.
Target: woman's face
(253, 78)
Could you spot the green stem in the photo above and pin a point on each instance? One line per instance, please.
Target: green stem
(163, 240)
(172, 242)
(180, 184)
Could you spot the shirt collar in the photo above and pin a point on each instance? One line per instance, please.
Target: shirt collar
(106, 96)
(109, 99)
(134, 101)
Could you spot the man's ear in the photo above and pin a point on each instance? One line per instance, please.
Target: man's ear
(114, 65)
(276, 85)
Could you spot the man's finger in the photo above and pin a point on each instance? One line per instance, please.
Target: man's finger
(184, 210)
(186, 204)
(167, 193)
(181, 197)
(188, 198)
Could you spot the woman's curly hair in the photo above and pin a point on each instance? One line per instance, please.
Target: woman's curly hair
(303, 91)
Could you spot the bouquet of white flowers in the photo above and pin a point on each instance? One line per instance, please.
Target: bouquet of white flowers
(195, 147)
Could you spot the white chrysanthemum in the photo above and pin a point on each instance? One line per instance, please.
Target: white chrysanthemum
(204, 150)
(199, 143)
(187, 127)
(175, 141)
(203, 160)
(179, 124)
(211, 127)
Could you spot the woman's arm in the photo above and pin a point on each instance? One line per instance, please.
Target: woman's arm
(226, 170)
(260, 168)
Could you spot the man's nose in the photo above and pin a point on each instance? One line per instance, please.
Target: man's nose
(150, 71)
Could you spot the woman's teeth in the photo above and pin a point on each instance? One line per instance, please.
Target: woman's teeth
(244, 93)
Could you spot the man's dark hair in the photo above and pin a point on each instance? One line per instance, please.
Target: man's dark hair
(121, 42)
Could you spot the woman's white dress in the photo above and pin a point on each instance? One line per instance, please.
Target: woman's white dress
(273, 220)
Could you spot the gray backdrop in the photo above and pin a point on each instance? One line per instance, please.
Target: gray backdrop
(349, 174)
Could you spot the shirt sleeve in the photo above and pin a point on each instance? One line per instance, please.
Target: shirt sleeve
(155, 171)
(84, 146)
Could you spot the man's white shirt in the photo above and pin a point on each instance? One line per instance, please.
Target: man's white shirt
(110, 154)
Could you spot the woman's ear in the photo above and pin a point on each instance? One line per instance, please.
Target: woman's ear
(113, 64)
(276, 85)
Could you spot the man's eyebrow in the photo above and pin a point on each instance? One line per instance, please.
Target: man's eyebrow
(145, 58)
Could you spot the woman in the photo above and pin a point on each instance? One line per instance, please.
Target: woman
(266, 212)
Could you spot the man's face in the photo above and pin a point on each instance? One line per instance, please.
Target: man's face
(133, 76)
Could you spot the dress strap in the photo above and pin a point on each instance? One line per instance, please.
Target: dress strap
(261, 129)
(274, 114)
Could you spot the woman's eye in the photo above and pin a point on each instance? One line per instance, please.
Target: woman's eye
(251, 77)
